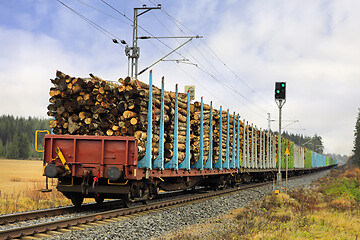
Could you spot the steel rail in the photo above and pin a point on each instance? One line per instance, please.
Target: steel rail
(26, 216)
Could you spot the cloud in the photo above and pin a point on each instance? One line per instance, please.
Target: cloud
(312, 45)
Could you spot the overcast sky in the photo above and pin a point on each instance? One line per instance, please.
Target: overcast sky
(246, 47)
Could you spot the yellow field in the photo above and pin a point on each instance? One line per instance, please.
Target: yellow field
(20, 181)
(17, 175)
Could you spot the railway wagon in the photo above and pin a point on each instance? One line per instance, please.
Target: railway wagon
(110, 167)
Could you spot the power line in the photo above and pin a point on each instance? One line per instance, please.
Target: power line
(200, 68)
(122, 14)
(213, 67)
(203, 69)
(105, 13)
(177, 23)
(100, 29)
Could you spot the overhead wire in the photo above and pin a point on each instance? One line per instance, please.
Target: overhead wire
(122, 14)
(110, 35)
(198, 65)
(105, 13)
(96, 26)
(178, 23)
(224, 83)
(107, 33)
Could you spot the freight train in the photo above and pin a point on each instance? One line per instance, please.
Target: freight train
(99, 167)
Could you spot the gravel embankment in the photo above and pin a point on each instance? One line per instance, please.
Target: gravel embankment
(155, 224)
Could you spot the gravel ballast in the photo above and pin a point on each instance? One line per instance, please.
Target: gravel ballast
(155, 224)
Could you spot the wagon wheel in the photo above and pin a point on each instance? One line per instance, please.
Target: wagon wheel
(146, 194)
(128, 199)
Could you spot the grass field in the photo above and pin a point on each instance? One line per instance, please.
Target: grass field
(20, 181)
(17, 175)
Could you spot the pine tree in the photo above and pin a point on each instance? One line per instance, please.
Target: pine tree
(356, 157)
(12, 150)
(2, 149)
(24, 146)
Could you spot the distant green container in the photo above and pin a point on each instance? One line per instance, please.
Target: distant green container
(332, 161)
(327, 161)
(308, 158)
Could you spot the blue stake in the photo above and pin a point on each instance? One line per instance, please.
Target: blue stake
(159, 161)
(186, 163)
(145, 162)
(218, 164)
(174, 161)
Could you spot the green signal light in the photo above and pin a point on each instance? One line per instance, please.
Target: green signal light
(277, 91)
(283, 84)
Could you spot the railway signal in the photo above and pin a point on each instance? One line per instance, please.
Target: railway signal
(280, 99)
(280, 90)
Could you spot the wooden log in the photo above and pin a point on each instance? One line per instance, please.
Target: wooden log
(129, 114)
(133, 121)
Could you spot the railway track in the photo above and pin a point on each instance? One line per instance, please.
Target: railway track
(111, 215)
(25, 216)
(80, 222)
(45, 213)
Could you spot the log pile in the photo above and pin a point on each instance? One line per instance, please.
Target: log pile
(196, 129)
(92, 106)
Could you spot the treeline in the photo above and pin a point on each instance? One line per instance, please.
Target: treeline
(342, 159)
(356, 157)
(314, 143)
(17, 136)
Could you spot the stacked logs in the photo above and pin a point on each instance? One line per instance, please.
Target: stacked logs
(169, 125)
(216, 130)
(196, 130)
(92, 106)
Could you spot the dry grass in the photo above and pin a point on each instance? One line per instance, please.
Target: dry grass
(31, 199)
(330, 211)
(20, 181)
(16, 175)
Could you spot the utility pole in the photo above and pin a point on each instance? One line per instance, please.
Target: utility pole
(280, 99)
(133, 52)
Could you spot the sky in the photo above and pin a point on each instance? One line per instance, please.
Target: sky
(246, 47)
